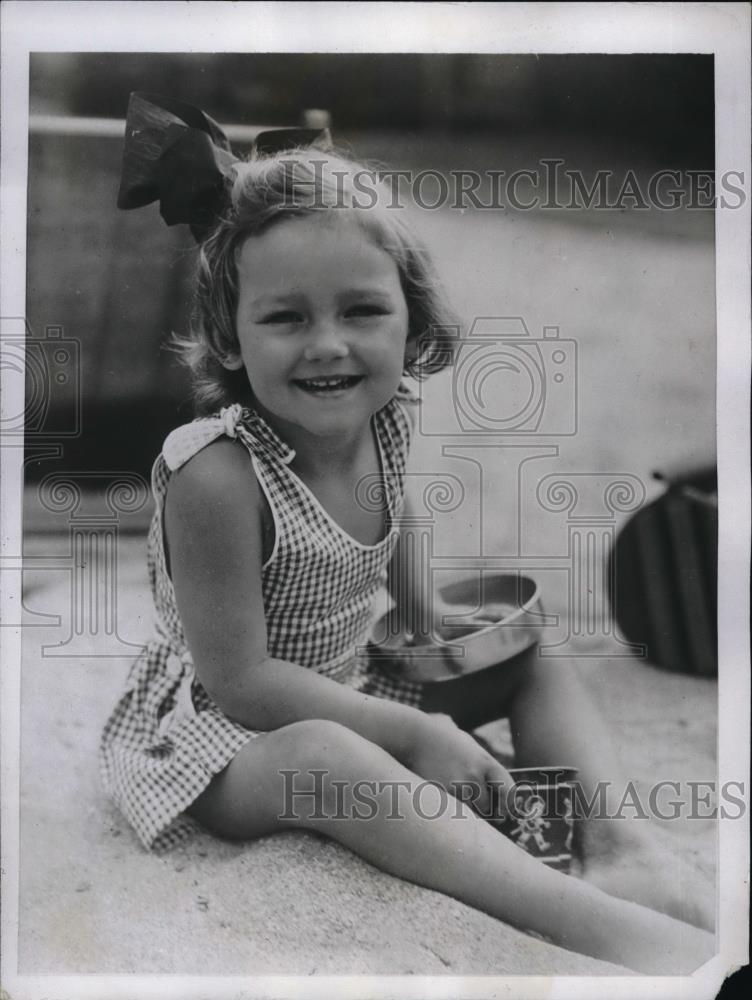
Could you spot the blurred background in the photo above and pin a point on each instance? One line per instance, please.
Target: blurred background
(631, 293)
(116, 284)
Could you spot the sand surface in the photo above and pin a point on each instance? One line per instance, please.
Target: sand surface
(93, 901)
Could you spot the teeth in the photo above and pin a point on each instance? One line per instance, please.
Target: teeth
(327, 383)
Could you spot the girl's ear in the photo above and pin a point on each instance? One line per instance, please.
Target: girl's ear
(233, 362)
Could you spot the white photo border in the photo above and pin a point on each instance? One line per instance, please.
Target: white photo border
(721, 29)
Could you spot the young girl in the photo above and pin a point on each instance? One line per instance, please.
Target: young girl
(313, 301)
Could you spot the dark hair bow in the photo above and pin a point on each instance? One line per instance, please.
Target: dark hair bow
(177, 155)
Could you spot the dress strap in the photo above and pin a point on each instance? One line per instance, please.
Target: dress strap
(186, 441)
(234, 421)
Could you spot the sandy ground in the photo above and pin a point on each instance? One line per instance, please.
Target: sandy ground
(93, 901)
(638, 300)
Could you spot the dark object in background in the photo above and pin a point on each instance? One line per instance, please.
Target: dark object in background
(664, 568)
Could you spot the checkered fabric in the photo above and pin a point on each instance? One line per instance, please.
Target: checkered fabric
(166, 739)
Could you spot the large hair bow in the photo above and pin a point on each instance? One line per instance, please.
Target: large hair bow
(177, 155)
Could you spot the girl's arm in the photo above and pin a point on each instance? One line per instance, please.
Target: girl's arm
(213, 526)
(213, 522)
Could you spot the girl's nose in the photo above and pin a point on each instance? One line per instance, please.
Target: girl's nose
(325, 342)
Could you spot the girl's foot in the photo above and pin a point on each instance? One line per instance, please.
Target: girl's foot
(637, 864)
(653, 943)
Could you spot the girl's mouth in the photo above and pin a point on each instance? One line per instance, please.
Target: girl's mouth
(327, 384)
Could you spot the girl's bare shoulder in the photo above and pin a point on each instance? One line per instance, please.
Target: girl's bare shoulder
(217, 483)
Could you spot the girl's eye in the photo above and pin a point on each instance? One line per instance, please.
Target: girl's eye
(283, 316)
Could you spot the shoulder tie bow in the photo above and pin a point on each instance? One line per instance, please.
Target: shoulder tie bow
(177, 155)
(233, 421)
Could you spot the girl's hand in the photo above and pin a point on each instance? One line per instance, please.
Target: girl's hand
(443, 753)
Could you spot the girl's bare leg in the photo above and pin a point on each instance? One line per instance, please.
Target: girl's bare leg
(455, 853)
(554, 721)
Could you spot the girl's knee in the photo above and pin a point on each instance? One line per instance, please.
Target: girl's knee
(317, 765)
(554, 670)
(250, 797)
(288, 777)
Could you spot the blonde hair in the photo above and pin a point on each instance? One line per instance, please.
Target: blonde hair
(268, 189)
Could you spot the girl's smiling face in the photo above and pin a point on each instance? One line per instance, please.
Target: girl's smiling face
(322, 325)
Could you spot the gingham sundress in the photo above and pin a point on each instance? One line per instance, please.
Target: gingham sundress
(166, 739)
